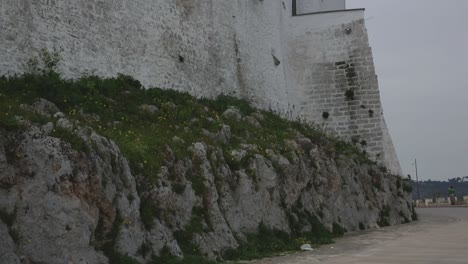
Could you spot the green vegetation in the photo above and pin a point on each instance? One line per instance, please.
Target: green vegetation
(167, 258)
(185, 237)
(9, 219)
(147, 213)
(352, 151)
(75, 141)
(362, 226)
(384, 216)
(338, 230)
(6, 217)
(178, 188)
(105, 241)
(414, 215)
(407, 187)
(144, 123)
(405, 218)
(266, 241)
(262, 244)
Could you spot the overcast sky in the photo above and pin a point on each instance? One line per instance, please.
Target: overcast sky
(420, 51)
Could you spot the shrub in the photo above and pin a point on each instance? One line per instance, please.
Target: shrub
(7, 218)
(264, 243)
(405, 218)
(198, 184)
(407, 187)
(165, 257)
(178, 188)
(338, 230)
(361, 226)
(414, 215)
(75, 141)
(384, 216)
(147, 213)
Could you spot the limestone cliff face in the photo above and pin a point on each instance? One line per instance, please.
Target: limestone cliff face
(61, 205)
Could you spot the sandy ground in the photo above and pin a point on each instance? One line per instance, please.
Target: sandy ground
(441, 236)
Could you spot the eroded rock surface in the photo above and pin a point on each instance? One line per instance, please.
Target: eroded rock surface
(63, 203)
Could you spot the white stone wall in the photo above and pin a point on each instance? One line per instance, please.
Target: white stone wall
(143, 38)
(312, 6)
(226, 46)
(327, 55)
(297, 66)
(390, 158)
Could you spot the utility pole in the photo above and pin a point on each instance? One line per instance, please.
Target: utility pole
(417, 180)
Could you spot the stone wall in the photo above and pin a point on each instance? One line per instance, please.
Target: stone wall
(299, 67)
(201, 46)
(330, 61)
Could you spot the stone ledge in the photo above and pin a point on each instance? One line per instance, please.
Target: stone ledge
(330, 11)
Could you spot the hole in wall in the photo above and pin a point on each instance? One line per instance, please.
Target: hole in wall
(181, 59)
(325, 115)
(276, 60)
(350, 95)
(371, 113)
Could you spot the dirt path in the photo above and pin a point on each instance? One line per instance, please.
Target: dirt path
(441, 236)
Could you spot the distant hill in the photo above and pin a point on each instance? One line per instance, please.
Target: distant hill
(432, 189)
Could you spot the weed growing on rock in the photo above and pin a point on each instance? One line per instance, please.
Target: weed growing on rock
(405, 218)
(262, 244)
(407, 187)
(178, 188)
(148, 213)
(155, 128)
(167, 258)
(144, 122)
(75, 141)
(361, 226)
(106, 243)
(338, 230)
(414, 215)
(7, 218)
(384, 216)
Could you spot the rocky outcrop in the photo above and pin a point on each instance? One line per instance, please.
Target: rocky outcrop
(74, 198)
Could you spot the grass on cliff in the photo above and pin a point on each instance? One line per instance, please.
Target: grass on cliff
(266, 241)
(145, 123)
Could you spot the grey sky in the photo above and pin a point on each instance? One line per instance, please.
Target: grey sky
(420, 51)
